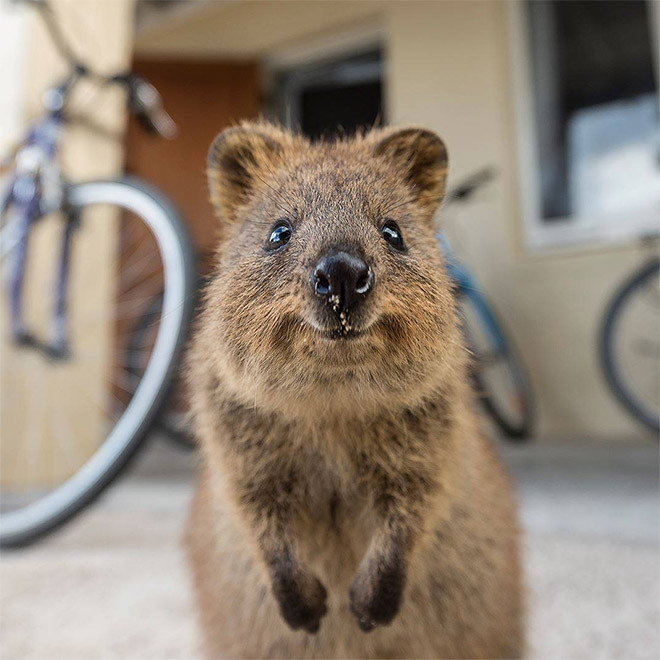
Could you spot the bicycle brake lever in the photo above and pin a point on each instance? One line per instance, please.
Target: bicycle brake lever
(148, 106)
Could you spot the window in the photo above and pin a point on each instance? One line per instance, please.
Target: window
(342, 94)
(587, 83)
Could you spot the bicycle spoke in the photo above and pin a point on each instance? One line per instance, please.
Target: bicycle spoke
(127, 285)
(126, 309)
(156, 276)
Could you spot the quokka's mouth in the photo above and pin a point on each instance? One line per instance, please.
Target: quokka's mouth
(337, 333)
(341, 333)
(338, 326)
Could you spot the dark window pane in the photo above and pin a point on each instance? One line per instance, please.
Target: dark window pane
(335, 97)
(324, 110)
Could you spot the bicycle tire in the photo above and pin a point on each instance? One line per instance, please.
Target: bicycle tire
(22, 527)
(180, 435)
(606, 344)
(519, 430)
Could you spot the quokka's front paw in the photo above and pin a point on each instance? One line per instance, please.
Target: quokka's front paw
(302, 600)
(376, 595)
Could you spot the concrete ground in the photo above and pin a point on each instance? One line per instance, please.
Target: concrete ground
(113, 584)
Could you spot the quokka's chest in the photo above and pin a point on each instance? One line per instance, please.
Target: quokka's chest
(333, 528)
(334, 500)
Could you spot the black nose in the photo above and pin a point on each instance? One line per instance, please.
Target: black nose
(342, 278)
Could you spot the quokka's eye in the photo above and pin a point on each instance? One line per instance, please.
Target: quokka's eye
(280, 235)
(391, 232)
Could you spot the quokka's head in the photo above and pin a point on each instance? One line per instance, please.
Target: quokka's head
(329, 284)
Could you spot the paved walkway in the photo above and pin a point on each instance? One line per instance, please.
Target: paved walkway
(113, 584)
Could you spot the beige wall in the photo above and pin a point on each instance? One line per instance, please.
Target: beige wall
(13, 28)
(448, 69)
(50, 418)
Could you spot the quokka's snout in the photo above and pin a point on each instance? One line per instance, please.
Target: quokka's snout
(343, 280)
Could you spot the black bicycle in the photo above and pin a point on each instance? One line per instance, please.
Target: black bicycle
(73, 410)
(629, 344)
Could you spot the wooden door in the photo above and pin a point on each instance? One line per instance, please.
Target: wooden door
(203, 97)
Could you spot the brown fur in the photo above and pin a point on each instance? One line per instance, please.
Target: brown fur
(345, 485)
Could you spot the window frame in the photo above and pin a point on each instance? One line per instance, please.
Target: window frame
(571, 231)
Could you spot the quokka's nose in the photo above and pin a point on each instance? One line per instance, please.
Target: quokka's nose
(342, 278)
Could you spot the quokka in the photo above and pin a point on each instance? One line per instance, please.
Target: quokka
(348, 505)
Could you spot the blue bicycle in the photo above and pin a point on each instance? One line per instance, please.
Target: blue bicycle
(498, 372)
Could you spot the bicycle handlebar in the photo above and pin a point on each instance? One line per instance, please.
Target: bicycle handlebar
(146, 103)
(464, 190)
(144, 100)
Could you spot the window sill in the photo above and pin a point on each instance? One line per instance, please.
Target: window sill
(571, 236)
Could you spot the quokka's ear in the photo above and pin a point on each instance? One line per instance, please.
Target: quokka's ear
(421, 156)
(235, 158)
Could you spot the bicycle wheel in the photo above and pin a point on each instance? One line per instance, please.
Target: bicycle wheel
(629, 345)
(498, 374)
(172, 419)
(70, 425)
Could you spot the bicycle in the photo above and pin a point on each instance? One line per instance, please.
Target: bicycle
(498, 372)
(173, 421)
(629, 343)
(45, 481)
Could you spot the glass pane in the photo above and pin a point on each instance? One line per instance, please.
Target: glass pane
(596, 107)
(336, 97)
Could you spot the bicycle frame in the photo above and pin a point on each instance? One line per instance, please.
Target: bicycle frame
(35, 189)
(466, 285)
(36, 186)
